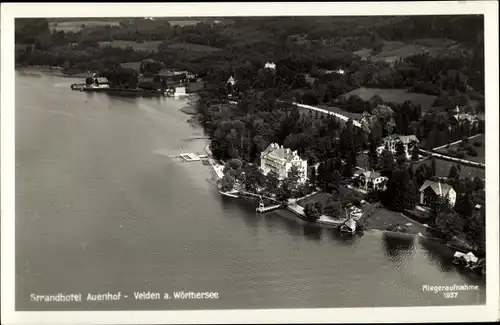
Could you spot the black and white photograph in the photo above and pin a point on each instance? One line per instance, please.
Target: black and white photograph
(250, 157)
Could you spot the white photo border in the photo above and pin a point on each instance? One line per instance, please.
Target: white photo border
(488, 312)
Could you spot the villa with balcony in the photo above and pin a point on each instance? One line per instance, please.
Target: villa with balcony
(280, 160)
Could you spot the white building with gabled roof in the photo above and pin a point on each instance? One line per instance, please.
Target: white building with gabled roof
(270, 65)
(432, 189)
(280, 161)
(231, 81)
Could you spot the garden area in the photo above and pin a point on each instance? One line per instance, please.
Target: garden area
(472, 149)
(194, 47)
(397, 96)
(384, 219)
(333, 205)
(443, 168)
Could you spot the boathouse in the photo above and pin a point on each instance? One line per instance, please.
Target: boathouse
(349, 226)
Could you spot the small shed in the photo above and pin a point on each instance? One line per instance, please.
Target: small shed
(349, 226)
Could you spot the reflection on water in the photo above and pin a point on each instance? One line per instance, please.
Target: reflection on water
(313, 232)
(100, 206)
(397, 245)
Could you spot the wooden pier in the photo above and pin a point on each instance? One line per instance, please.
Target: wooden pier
(263, 209)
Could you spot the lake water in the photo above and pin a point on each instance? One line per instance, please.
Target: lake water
(101, 207)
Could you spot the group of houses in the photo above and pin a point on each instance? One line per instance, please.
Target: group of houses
(279, 160)
(460, 117)
(373, 180)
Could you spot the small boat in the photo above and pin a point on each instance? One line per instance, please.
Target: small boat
(229, 194)
(458, 258)
(350, 225)
(468, 260)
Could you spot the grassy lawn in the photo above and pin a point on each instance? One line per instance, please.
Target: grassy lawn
(480, 150)
(397, 96)
(194, 47)
(443, 169)
(146, 46)
(363, 161)
(183, 22)
(322, 197)
(393, 50)
(76, 25)
(383, 217)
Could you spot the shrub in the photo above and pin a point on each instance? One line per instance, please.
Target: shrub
(372, 196)
(471, 151)
(477, 144)
(461, 154)
(313, 211)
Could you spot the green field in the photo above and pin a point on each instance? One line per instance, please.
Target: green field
(480, 150)
(194, 47)
(321, 197)
(397, 96)
(183, 22)
(393, 50)
(77, 25)
(382, 218)
(363, 161)
(153, 46)
(443, 169)
(145, 46)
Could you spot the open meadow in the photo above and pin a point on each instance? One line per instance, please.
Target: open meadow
(381, 218)
(443, 169)
(77, 25)
(393, 50)
(154, 45)
(397, 96)
(194, 47)
(137, 46)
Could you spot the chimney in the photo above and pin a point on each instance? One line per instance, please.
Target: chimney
(440, 189)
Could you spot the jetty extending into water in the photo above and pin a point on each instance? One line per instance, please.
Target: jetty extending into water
(142, 92)
(264, 209)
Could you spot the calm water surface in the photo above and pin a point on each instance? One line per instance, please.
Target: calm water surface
(101, 207)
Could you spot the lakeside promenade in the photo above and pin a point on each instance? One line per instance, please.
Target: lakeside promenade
(292, 205)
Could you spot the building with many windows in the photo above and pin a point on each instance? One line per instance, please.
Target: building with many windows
(409, 142)
(279, 160)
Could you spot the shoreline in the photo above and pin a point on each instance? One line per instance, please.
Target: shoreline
(54, 70)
